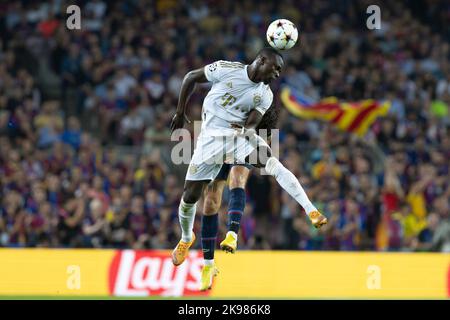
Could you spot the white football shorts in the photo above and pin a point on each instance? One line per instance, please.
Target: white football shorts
(212, 151)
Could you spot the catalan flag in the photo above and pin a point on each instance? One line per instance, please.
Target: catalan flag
(354, 117)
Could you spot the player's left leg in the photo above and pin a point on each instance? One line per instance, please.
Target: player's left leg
(236, 205)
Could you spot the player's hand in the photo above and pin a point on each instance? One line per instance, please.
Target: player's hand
(241, 130)
(238, 129)
(178, 121)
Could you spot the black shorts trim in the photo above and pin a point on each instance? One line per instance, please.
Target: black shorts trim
(226, 168)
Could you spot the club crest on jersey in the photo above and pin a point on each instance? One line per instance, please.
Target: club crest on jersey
(256, 100)
(193, 169)
(230, 84)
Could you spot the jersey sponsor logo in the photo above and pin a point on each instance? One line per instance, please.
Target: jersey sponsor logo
(228, 99)
(149, 273)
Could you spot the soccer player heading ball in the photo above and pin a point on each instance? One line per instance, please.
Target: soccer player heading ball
(239, 97)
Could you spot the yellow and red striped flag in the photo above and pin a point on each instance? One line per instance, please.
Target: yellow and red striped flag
(354, 117)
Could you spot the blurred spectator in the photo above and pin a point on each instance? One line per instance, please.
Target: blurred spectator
(424, 240)
(72, 135)
(156, 136)
(441, 237)
(66, 181)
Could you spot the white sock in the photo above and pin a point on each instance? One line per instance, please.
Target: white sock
(288, 181)
(209, 262)
(186, 216)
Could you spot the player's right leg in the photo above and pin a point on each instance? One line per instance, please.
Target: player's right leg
(237, 181)
(186, 216)
(289, 182)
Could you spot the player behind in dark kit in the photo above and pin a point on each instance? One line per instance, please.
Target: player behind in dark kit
(236, 175)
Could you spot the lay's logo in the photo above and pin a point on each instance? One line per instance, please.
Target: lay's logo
(152, 273)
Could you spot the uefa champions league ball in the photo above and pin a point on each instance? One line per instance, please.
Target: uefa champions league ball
(282, 34)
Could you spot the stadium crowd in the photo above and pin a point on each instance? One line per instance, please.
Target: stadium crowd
(63, 184)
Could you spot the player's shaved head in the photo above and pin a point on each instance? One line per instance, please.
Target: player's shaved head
(266, 66)
(269, 52)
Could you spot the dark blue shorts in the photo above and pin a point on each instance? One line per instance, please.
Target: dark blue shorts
(226, 168)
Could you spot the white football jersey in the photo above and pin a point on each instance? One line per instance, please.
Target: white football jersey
(232, 96)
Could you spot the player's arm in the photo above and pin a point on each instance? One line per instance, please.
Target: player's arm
(268, 122)
(254, 118)
(187, 87)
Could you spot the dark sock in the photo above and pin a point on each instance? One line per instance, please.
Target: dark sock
(236, 207)
(210, 226)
